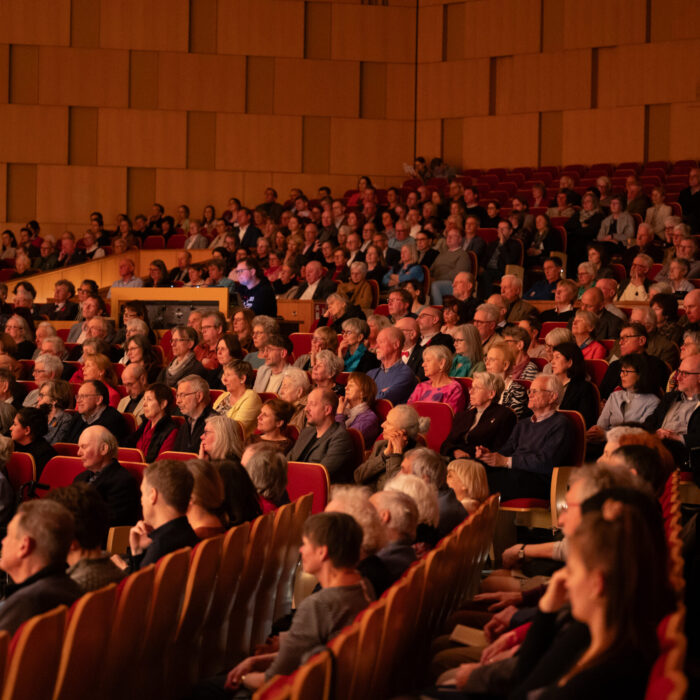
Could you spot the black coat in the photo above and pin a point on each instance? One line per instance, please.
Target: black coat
(441, 339)
(110, 419)
(492, 431)
(579, 395)
(40, 450)
(657, 369)
(325, 287)
(163, 428)
(189, 440)
(68, 313)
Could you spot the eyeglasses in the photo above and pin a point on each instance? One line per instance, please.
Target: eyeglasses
(206, 328)
(682, 371)
(629, 371)
(628, 337)
(532, 392)
(181, 395)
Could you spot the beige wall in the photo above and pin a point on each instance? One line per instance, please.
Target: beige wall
(114, 104)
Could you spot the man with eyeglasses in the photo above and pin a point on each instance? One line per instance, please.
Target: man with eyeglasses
(192, 399)
(608, 325)
(270, 375)
(412, 351)
(430, 322)
(182, 341)
(522, 468)
(213, 326)
(47, 260)
(424, 245)
(135, 379)
(485, 321)
(402, 236)
(633, 340)
(254, 288)
(90, 307)
(92, 405)
(46, 368)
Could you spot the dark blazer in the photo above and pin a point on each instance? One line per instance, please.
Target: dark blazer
(428, 258)
(174, 535)
(76, 258)
(40, 450)
(119, 490)
(163, 428)
(334, 450)
(552, 315)
(441, 339)
(608, 326)
(396, 558)
(478, 246)
(508, 253)
(325, 287)
(351, 311)
(250, 237)
(110, 419)
(579, 395)
(392, 257)
(67, 313)
(189, 440)
(452, 512)
(177, 274)
(415, 361)
(491, 431)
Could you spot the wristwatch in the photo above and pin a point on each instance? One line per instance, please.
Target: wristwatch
(521, 553)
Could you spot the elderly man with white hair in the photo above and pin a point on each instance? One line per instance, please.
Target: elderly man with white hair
(657, 344)
(316, 285)
(485, 320)
(523, 466)
(395, 381)
(512, 293)
(46, 368)
(97, 448)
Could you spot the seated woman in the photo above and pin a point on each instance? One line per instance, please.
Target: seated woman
(598, 256)
(355, 408)
(242, 327)
(425, 496)
(415, 289)
(206, 512)
(239, 402)
(99, 368)
(406, 269)
(357, 290)
(551, 340)
(485, 423)
(18, 329)
(634, 404)
(439, 386)
(182, 341)
(132, 310)
(273, 418)
(294, 390)
(140, 351)
(339, 272)
(467, 479)
(469, 353)
(582, 328)
(500, 360)
(544, 241)
(56, 396)
(519, 340)
(401, 429)
(579, 394)
(90, 347)
(617, 230)
(157, 275)
(196, 274)
(222, 439)
(453, 314)
(353, 347)
(228, 349)
(27, 431)
(665, 306)
(132, 327)
(586, 278)
(323, 338)
(326, 367)
(267, 468)
(376, 265)
(678, 270)
(263, 328)
(376, 323)
(338, 311)
(157, 432)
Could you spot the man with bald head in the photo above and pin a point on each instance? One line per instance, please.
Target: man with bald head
(463, 288)
(316, 286)
(97, 448)
(412, 351)
(645, 243)
(395, 381)
(609, 286)
(608, 325)
(135, 379)
(691, 304)
(512, 293)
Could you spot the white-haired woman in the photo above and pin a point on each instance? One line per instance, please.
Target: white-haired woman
(18, 329)
(467, 478)
(583, 325)
(500, 360)
(439, 386)
(222, 439)
(263, 328)
(357, 290)
(353, 347)
(267, 469)
(401, 429)
(468, 357)
(295, 390)
(425, 496)
(586, 277)
(325, 368)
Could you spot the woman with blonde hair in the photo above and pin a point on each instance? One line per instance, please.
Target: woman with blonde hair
(295, 390)
(206, 512)
(222, 439)
(467, 479)
(99, 368)
(500, 360)
(239, 402)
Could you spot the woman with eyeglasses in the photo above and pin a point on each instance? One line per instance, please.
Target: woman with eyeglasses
(157, 432)
(18, 329)
(469, 355)
(353, 347)
(569, 368)
(55, 397)
(582, 327)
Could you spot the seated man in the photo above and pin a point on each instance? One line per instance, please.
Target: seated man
(609, 286)
(46, 368)
(608, 325)
(452, 260)
(499, 253)
(523, 466)
(182, 340)
(323, 439)
(97, 328)
(657, 344)
(412, 351)
(34, 557)
(429, 466)
(193, 401)
(135, 379)
(181, 272)
(90, 307)
(88, 564)
(127, 278)
(544, 289)
(254, 288)
(485, 321)
(511, 292)
(636, 286)
(69, 253)
(463, 290)
(430, 322)
(92, 406)
(316, 286)
(62, 309)
(564, 297)
(213, 327)
(330, 552)
(98, 448)
(399, 302)
(270, 375)
(399, 515)
(395, 381)
(165, 496)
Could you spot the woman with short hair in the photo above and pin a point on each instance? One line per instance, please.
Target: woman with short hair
(355, 408)
(467, 478)
(157, 431)
(263, 328)
(57, 396)
(406, 269)
(500, 360)
(325, 368)
(353, 347)
(267, 468)
(439, 386)
(323, 338)
(295, 390)
(273, 418)
(582, 327)
(469, 354)
(18, 329)
(206, 512)
(357, 289)
(239, 402)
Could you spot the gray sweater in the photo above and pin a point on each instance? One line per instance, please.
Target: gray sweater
(449, 263)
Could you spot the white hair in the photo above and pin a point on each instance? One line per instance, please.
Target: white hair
(354, 500)
(424, 495)
(403, 511)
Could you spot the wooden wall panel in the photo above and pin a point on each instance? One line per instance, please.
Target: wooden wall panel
(260, 85)
(544, 82)
(260, 142)
(85, 24)
(261, 28)
(551, 125)
(430, 34)
(317, 30)
(373, 90)
(507, 140)
(140, 190)
(604, 23)
(201, 82)
(684, 132)
(400, 91)
(428, 136)
(674, 19)
(453, 89)
(143, 79)
(452, 142)
(501, 27)
(33, 134)
(362, 33)
(198, 188)
(24, 75)
(316, 144)
(3, 192)
(317, 88)
(658, 135)
(142, 138)
(368, 145)
(146, 25)
(644, 74)
(201, 140)
(552, 25)
(21, 192)
(70, 193)
(594, 135)
(82, 136)
(283, 182)
(202, 19)
(4, 73)
(42, 22)
(83, 77)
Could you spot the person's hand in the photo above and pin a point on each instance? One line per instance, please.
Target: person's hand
(499, 599)
(662, 434)
(463, 673)
(481, 452)
(595, 432)
(499, 623)
(494, 459)
(510, 556)
(139, 537)
(459, 454)
(556, 594)
(235, 675)
(398, 441)
(341, 404)
(201, 454)
(343, 346)
(504, 642)
(317, 246)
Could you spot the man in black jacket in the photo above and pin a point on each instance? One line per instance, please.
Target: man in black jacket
(92, 404)
(412, 351)
(430, 322)
(316, 286)
(62, 308)
(193, 401)
(98, 448)
(608, 325)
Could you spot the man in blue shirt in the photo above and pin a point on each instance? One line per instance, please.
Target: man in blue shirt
(544, 289)
(395, 381)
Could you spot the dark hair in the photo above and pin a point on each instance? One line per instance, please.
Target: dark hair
(12, 236)
(417, 286)
(277, 340)
(25, 285)
(243, 370)
(67, 284)
(668, 305)
(100, 388)
(233, 345)
(187, 331)
(90, 513)
(572, 352)
(34, 419)
(163, 271)
(241, 497)
(186, 208)
(61, 393)
(94, 289)
(403, 293)
(161, 393)
(638, 329)
(639, 364)
(340, 533)
(602, 251)
(173, 481)
(253, 264)
(282, 410)
(646, 463)
(149, 356)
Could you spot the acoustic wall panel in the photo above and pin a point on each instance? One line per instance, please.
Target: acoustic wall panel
(21, 192)
(674, 19)
(604, 23)
(684, 132)
(37, 22)
(24, 75)
(508, 140)
(453, 89)
(33, 134)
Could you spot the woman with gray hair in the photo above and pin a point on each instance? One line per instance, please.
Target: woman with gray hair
(407, 269)
(439, 386)
(263, 328)
(267, 469)
(583, 325)
(357, 290)
(295, 390)
(222, 439)
(324, 370)
(18, 329)
(353, 347)
(469, 353)
(57, 396)
(338, 311)
(323, 338)
(401, 429)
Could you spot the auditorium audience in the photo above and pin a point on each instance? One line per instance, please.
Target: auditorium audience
(53, 399)
(183, 340)
(192, 399)
(273, 419)
(439, 386)
(28, 431)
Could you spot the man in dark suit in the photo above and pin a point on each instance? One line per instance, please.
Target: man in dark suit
(193, 401)
(247, 233)
(472, 240)
(430, 322)
(564, 297)
(412, 352)
(98, 448)
(69, 255)
(180, 273)
(608, 325)
(499, 253)
(316, 286)
(62, 308)
(92, 404)
(323, 440)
